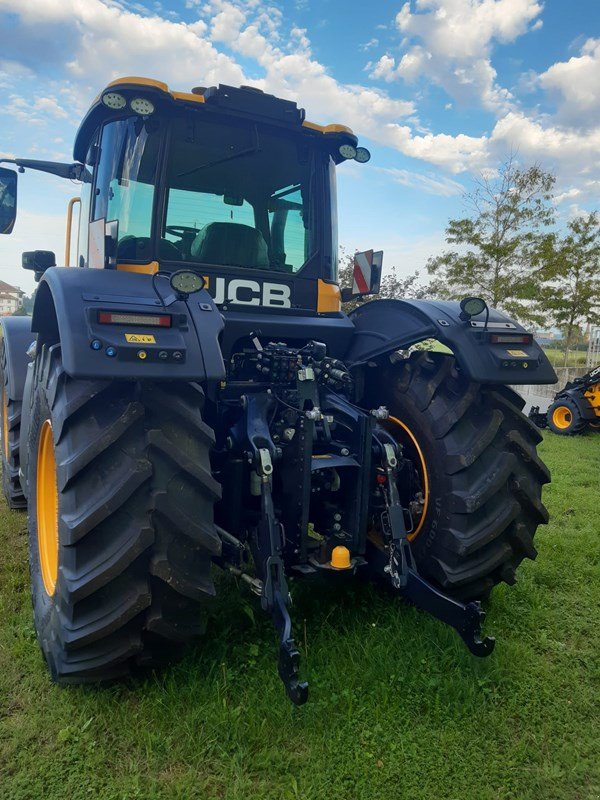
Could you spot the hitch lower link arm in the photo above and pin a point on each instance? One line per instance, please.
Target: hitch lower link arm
(466, 619)
(267, 548)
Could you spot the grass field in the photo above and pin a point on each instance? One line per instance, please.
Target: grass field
(576, 358)
(398, 707)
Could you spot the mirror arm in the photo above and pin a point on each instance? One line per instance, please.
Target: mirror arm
(73, 171)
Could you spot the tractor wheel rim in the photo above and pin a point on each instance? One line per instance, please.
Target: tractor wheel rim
(562, 417)
(5, 425)
(47, 509)
(421, 468)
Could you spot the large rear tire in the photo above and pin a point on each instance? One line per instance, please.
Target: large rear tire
(11, 437)
(121, 533)
(479, 474)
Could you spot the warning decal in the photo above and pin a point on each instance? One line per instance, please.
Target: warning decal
(140, 338)
(520, 353)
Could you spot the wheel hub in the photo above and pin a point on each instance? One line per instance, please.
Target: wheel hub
(47, 509)
(562, 417)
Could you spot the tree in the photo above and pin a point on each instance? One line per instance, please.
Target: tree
(572, 270)
(28, 303)
(501, 241)
(393, 287)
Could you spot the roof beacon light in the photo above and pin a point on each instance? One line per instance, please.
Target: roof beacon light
(142, 106)
(114, 100)
(362, 155)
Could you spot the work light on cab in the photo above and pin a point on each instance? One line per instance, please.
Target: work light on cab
(347, 151)
(114, 100)
(142, 106)
(186, 282)
(472, 306)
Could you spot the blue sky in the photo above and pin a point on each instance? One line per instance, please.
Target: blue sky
(439, 90)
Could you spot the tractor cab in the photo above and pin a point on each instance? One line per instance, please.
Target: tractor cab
(229, 182)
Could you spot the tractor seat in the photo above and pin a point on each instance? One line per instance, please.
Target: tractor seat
(138, 248)
(230, 244)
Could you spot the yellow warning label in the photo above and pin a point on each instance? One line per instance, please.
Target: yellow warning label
(520, 353)
(140, 338)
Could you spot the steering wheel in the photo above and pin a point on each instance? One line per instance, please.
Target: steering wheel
(183, 231)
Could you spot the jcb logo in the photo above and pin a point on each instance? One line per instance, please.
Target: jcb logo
(249, 293)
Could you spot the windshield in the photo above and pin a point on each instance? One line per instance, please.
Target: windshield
(239, 195)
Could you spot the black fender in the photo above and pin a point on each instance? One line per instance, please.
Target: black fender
(17, 335)
(384, 326)
(66, 310)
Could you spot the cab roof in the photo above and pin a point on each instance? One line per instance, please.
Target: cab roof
(243, 101)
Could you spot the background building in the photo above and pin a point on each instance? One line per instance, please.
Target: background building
(11, 299)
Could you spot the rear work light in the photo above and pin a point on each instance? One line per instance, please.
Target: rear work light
(143, 320)
(504, 338)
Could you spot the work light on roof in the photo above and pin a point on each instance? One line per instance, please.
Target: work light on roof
(362, 155)
(114, 100)
(142, 106)
(347, 151)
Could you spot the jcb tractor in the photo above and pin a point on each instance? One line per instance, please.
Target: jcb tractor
(189, 394)
(575, 409)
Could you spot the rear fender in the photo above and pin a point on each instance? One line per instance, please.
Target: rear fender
(384, 326)
(17, 335)
(66, 310)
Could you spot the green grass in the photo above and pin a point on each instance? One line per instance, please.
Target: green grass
(398, 708)
(576, 358)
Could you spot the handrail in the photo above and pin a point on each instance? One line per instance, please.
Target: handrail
(72, 202)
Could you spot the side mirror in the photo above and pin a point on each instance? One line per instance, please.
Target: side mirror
(38, 261)
(367, 275)
(8, 199)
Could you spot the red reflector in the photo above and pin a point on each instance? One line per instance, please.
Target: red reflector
(123, 318)
(523, 338)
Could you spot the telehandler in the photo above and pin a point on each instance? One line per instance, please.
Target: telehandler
(189, 393)
(575, 409)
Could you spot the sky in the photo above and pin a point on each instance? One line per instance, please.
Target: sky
(440, 91)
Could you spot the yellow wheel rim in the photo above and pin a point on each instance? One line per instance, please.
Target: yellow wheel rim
(408, 437)
(562, 417)
(5, 424)
(47, 509)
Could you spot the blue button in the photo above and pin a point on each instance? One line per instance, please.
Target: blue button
(96, 344)
(111, 352)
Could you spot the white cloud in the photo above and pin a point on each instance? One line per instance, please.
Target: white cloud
(432, 184)
(186, 55)
(450, 45)
(373, 42)
(455, 39)
(571, 149)
(576, 84)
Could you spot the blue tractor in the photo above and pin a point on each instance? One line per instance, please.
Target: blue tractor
(189, 393)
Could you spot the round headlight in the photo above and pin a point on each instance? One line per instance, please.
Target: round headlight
(362, 155)
(347, 151)
(142, 106)
(472, 306)
(186, 282)
(114, 100)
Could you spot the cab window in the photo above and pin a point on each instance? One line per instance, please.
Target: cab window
(240, 196)
(125, 178)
